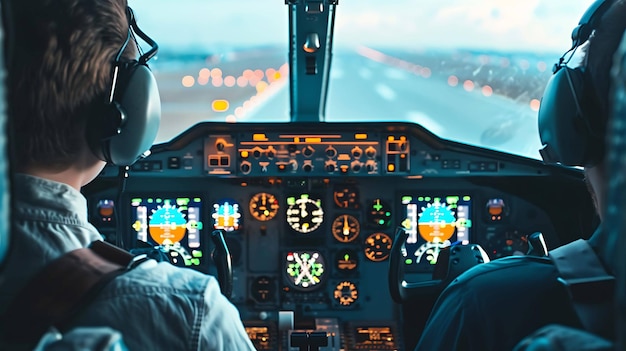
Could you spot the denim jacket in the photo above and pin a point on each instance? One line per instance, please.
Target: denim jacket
(155, 306)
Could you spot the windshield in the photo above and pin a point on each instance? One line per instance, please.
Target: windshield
(471, 71)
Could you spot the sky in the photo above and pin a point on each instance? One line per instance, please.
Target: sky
(486, 24)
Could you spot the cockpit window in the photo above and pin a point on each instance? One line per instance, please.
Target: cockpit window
(471, 71)
(218, 60)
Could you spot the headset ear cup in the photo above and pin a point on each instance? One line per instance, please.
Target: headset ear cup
(563, 125)
(103, 125)
(140, 105)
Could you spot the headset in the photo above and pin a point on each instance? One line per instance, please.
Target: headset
(569, 133)
(127, 128)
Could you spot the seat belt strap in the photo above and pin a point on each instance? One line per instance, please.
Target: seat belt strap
(590, 287)
(58, 292)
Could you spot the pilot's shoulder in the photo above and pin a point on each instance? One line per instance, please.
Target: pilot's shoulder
(163, 278)
(507, 271)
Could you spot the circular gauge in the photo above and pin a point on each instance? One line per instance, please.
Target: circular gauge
(379, 214)
(377, 247)
(346, 293)
(305, 269)
(346, 228)
(304, 214)
(346, 196)
(346, 261)
(436, 222)
(263, 206)
(167, 224)
(106, 210)
(226, 215)
(496, 210)
(263, 289)
(509, 243)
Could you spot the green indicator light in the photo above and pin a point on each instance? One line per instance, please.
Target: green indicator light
(377, 206)
(182, 201)
(196, 253)
(195, 261)
(406, 223)
(346, 257)
(437, 200)
(197, 199)
(291, 201)
(388, 214)
(304, 196)
(466, 198)
(137, 199)
(407, 199)
(452, 200)
(426, 198)
(408, 261)
(159, 200)
(421, 198)
(150, 200)
(381, 221)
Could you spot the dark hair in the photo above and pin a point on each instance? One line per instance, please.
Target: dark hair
(599, 58)
(59, 73)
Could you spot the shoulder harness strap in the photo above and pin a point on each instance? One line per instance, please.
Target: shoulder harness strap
(59, 292)
(590, 287)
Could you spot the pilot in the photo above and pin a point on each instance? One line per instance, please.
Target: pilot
(60, 65)
(495, 305)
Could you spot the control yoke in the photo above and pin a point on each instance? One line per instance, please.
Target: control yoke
(223, 263)
(452, 261)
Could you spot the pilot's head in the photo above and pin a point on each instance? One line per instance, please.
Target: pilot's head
(599, 55)
(576, 105)
(59, 74)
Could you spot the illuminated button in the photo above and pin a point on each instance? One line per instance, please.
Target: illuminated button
(173, 163)
(220, 105)
(344, 168)
(391, 167)
(245, 154)
(259, 137)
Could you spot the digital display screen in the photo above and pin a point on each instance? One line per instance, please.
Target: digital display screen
(434, 222)
(226, 215)
(170, 224)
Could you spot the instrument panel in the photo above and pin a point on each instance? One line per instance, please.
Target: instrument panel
(309, 218)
